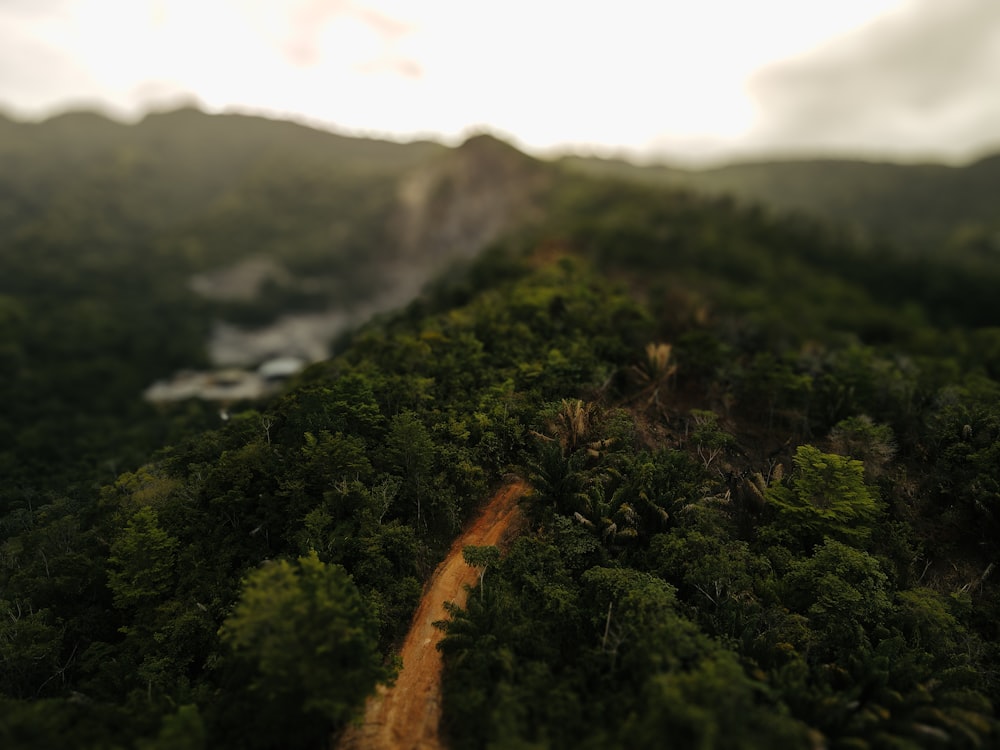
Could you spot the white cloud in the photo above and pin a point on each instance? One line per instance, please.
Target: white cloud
(922, 80)
(670, 75)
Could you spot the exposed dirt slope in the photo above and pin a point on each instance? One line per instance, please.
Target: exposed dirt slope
(406, 716)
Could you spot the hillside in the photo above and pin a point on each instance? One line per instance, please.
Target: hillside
(189, 242)
(925, 207)
(172, 165)
(762, 460)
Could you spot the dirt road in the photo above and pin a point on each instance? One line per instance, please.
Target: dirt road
(406, 716)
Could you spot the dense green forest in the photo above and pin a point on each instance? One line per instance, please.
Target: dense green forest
(764, 455)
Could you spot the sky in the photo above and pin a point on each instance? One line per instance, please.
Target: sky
(692, 81)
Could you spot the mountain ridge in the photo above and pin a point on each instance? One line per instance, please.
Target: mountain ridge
(915, 205)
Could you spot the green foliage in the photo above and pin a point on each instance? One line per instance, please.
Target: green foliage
(310, 643)
(482, 558)
(965, 439)
(30, 645)
(670, 581)
(710, 440)
(714, 705)
(925, 618)
(720, 578)
(641, 670)
(141, 561)
(844, 593)
(49, 722)
(183, 730)
(409, 452)
(826, 496)
(860, 438)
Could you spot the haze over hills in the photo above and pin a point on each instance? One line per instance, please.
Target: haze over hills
(187, 241)
(760, 450)
(926, 207)
(178, 164)
(189, 184)
(160, 219)
(192, 157)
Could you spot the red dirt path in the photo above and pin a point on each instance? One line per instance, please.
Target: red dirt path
(406, 716)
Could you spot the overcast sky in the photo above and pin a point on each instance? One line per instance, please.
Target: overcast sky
(691, 80)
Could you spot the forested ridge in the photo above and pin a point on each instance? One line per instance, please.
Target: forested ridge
(764, 461)
(929, 208)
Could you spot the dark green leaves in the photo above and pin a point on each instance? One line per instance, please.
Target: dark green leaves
(825, 497)
(304, 630)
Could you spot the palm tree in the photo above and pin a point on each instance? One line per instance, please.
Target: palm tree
(567, 469)
(655, 373)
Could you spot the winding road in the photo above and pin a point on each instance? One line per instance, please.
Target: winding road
(407, 715)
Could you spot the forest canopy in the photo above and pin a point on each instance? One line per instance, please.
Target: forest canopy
(763, 455)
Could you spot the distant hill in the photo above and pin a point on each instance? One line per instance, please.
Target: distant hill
(923, 206)
(114, 238)
(110, 235)
(175, 164)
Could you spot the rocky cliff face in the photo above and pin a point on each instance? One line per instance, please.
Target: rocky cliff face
(453, 207)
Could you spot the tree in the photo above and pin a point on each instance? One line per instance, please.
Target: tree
(310, 643)
(843, 591)
(141, 561)
(180, 731)
(719, 576)
(482, 558)
(826, 497)
(656, 373)
(711, 705)
(710, 440)
(572, 425)
(29, 650)
(410, 452)
(860, 438)
(771, 382)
